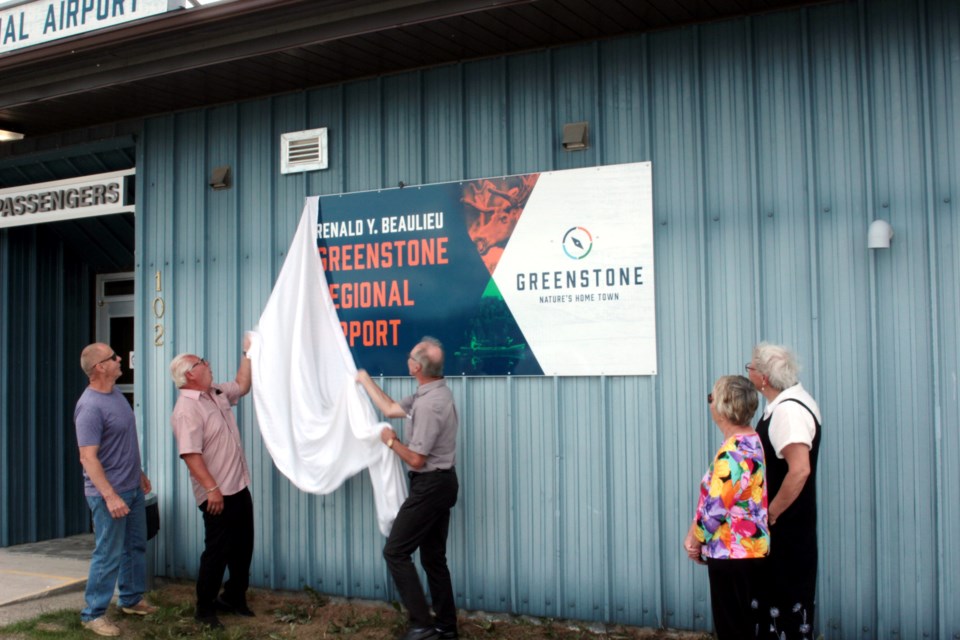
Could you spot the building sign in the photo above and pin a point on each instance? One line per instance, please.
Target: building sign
(84, 197)
(542, 273)
(33, 23)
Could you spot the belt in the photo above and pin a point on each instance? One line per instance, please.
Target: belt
(414, 474)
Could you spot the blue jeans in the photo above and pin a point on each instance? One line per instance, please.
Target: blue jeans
(121, 548)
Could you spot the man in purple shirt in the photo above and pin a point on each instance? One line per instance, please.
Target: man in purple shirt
(208, 441)
(424, 519)
(114, 486)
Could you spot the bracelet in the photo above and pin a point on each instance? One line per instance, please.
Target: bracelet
(212, 489)
(390, 443)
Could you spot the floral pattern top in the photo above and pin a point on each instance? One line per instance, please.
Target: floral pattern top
(732, 511)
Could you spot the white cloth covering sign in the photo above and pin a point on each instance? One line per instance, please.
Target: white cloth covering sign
(317, 423)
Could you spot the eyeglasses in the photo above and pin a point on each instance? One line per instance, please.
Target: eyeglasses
(709, 398)
(749, 367)
(202, 361)
(112, 356)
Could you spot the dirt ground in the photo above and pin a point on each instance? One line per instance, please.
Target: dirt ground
(308, 614)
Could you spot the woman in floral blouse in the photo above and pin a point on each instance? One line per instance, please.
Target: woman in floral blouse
(730, 533)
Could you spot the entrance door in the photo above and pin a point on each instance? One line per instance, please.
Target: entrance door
(115, 323)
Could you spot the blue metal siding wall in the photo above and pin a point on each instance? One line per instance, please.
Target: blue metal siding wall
(5, 466)
(775, 140)
(940, 77)
(840, 209)
(44, 305)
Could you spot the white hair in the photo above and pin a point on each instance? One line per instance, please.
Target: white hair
(777, 364)
(179, 367)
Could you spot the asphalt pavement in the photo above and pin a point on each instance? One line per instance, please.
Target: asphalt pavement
(43, 576)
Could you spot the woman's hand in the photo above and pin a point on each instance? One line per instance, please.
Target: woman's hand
(693, 547)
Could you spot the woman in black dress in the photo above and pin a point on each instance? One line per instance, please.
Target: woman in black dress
(790, 432)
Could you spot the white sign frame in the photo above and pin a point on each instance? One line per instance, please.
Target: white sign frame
(84, 197)
(33, 23)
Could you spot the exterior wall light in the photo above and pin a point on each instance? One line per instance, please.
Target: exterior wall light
(879, 235)
(220, 178)
(575, 136)
(7, 136)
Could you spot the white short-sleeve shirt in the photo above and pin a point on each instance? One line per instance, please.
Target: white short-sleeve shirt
(792, 423)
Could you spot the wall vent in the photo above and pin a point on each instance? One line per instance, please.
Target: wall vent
(303, 151)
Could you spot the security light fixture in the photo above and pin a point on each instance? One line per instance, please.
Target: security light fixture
(7, 136)
(575, 136)
(220, 178)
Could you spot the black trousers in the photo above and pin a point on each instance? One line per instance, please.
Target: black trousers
(423, 522)
(228, 544)
(791, 580)
(735, 587)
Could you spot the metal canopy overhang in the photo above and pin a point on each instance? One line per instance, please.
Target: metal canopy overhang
(242, 49)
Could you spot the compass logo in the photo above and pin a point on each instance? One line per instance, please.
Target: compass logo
(577, 243)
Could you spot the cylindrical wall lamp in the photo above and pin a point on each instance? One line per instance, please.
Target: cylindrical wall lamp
(879, 235)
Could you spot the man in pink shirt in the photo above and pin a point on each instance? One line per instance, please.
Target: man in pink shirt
(208, 441)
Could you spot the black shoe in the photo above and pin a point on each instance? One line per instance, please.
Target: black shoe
(238, 609)
(419, 633)
(444, 633)
(211, 621)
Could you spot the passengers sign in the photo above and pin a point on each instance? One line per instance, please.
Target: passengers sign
(84, 197)
(32, 23)
(541, 273)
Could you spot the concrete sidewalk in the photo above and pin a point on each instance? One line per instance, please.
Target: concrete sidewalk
(43, 576)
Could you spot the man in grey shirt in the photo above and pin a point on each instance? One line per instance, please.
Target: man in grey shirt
(114, 486)
(424, 518)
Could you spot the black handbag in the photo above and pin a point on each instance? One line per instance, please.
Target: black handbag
(153, 519)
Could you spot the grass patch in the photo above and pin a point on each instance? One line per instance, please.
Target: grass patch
(307, 615)
(63, 625)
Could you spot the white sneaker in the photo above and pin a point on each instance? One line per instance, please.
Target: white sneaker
(102, 627)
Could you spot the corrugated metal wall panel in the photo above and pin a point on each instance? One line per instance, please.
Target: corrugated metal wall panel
(44, 283)
(839, 203)
(486, 142)
(582, 499)
(325, 108)
(484, 440)
(679, 242)
(6, 469)
(443, 107)
(401, 130)
(155, 341)
(535, 540)
(775, 141)
(940, 32)
(530, 130)
(363, 136)
(905, 422)
(636, 546)
(622, 125)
